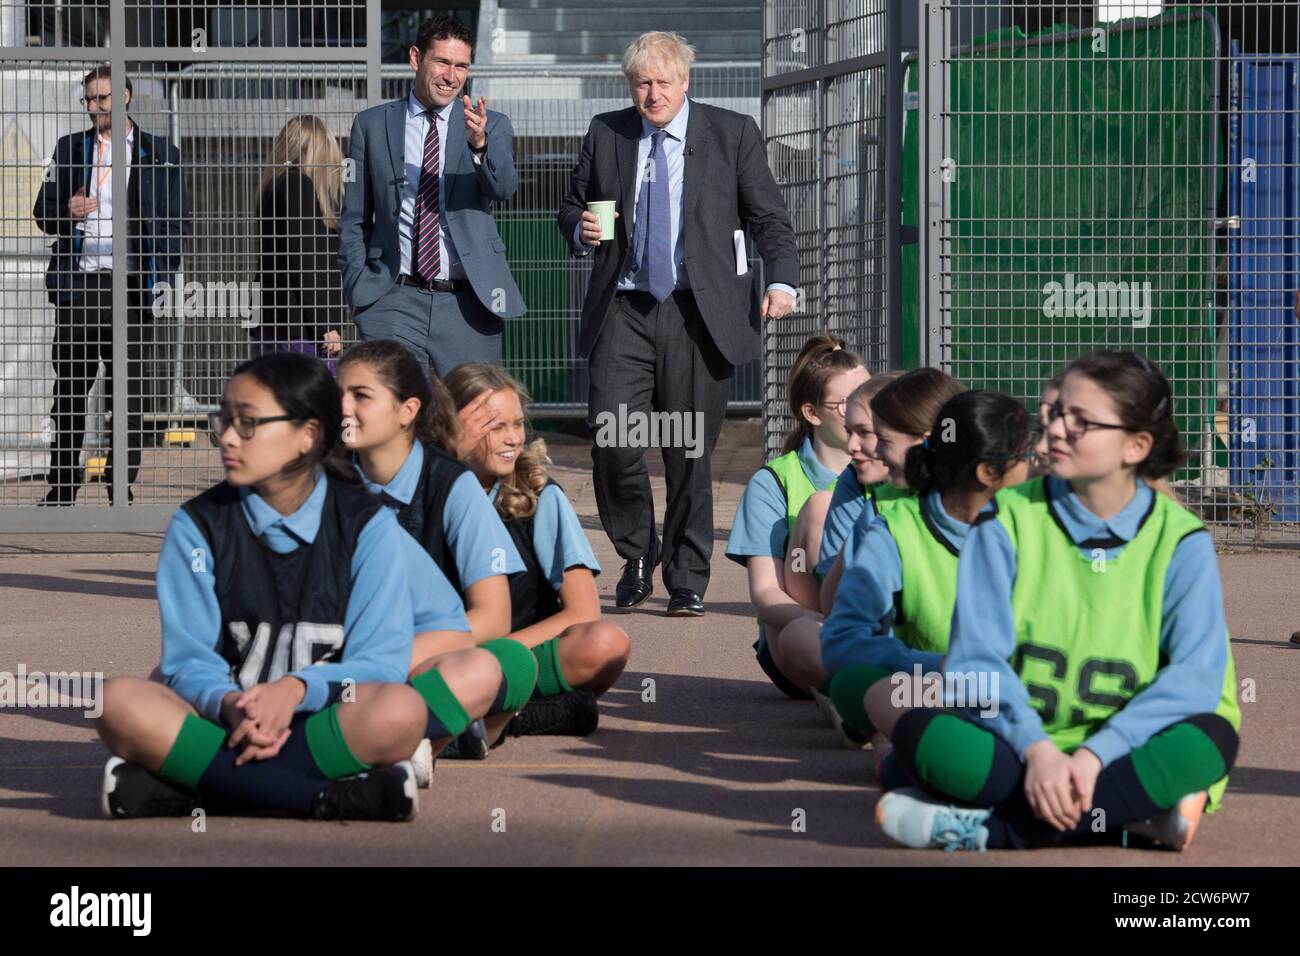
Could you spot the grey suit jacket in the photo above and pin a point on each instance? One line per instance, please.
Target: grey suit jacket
(726, 186)
(369, 256)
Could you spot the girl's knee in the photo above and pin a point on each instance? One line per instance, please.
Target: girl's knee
(612, 641)
(601, 644)
(125, 703)
(484, 673)
(390, 714)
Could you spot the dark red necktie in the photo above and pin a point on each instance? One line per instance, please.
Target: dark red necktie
(426, 257)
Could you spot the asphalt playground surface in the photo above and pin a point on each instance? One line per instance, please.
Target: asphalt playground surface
(697, 760)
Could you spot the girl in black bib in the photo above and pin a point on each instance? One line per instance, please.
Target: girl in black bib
(555, 610)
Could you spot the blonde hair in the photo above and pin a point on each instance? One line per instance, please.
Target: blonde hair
(517, 492)
(657, 47)
(307, 143)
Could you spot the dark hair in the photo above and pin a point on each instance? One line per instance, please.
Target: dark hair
(821, 357)
(985, 428)
(104, 72)
(304, 388)
(406, 377)
(1144, 402)
(910, 403)
(442, 27)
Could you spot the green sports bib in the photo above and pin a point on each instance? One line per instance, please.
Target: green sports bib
(923, 608)
(1088, 628)
(884, 494)
(788, 471)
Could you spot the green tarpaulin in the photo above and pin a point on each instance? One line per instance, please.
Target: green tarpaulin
(1082, 205)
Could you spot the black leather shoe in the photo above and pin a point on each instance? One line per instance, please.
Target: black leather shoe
(684, 602)
(59, 497)
(637, 581)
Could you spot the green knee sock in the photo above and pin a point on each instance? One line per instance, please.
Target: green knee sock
(519, 667)
(197, 743)
(447, 716)
(1180, 761)
(955, 756)
(550, 675)
(329, 749)
(848, 687)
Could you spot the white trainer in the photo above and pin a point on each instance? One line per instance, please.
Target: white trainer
(422, 764)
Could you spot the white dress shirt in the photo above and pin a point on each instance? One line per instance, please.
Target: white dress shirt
(417, 128)
(97, 228)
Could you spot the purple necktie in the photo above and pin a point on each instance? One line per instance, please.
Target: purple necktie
(652, 240)
(426, 257)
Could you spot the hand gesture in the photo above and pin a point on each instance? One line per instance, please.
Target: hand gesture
(243, 726)
(476, 419)
(270, 708)
(1048, 786)
(80, 205)
(1084, 768)
(332, 343)
(476, 123)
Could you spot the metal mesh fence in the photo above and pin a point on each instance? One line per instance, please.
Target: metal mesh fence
(826, 83)
(1110, 181)
(1081, 176)
(230, 250)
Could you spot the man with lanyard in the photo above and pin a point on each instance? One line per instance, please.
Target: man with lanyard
(75, 205)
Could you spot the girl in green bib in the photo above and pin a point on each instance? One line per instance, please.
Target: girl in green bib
(902, 413)
(821, 379)
(894, 610)
(1089, 686)
(828, 516)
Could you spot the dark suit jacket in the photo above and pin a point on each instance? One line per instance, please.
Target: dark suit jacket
(302, 295)
(726, 186)
(158, 216)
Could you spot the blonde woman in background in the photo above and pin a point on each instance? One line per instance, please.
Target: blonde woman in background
(298, 201)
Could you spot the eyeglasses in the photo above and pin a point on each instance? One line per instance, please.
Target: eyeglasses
(245, 427)
(838, 406)
(1076, 426)
(98, 100)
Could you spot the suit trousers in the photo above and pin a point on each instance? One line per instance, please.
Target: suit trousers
(446, 328)
(652, 360)
(83, 338)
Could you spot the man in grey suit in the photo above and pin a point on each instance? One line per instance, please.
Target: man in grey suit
(421, 258)
(669, 305)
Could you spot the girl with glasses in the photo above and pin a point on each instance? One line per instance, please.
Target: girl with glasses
(1096, 604)
(821, 378)
(283, 596)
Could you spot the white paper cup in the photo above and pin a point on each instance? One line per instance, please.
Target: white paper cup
(604, 213)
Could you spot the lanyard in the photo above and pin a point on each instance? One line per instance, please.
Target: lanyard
(102, 152)
(102, 149)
